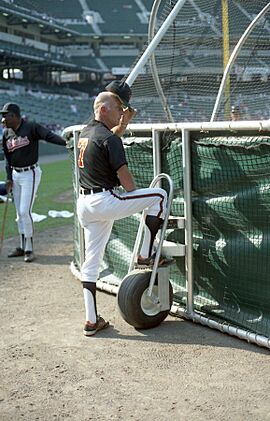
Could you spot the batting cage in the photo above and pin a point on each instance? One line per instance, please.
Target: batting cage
(221, 176)
(201, 58)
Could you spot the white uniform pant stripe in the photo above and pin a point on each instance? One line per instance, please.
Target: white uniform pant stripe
(25, 185)
(97, 213)
(96, 237)
(142, 196)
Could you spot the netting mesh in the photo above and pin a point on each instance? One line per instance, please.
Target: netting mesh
(76, 231)
(189, 63)
(231, 225)
(231, 229)
(140, 157)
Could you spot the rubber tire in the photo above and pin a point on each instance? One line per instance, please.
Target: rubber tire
(129, 298)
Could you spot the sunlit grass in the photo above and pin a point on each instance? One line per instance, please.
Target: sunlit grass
(55, 192)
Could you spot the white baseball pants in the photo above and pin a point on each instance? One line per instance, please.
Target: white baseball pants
(25, 185)
(97, 213)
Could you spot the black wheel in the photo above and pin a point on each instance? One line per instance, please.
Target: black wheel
(135, 305)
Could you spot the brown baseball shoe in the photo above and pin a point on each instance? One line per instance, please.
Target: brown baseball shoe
(18, 252)
(148, 262)
(91, 329)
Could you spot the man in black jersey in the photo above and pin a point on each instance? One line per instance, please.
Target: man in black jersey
(103, 168)
(20, 145)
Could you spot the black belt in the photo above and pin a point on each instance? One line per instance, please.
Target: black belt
(94, 190)
(22, 169)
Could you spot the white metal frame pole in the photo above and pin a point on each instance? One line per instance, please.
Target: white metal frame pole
(152, 62)
(188, 217)
(153, 44)
(81, 231)
(156, 152)
(233, 58)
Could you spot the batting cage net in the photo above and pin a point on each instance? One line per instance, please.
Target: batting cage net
(230, 223)
(181, 79)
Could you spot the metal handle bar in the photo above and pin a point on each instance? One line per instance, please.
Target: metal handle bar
(163, 230)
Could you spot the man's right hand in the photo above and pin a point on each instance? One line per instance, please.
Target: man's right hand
(9, 185)
(128, 114)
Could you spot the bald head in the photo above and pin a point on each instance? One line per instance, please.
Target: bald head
(108, 109)
(105, 99)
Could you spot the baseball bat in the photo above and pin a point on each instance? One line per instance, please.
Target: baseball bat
(4, 223)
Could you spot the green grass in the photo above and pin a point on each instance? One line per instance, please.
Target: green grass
(55, 192)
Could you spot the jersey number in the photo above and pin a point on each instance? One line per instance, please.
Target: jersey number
(82, 145)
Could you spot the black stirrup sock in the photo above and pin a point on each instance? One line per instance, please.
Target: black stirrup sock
(91, 286)
(22, 241)
(153, 223)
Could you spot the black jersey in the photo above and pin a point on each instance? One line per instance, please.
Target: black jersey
(21, 146)
(100, 155)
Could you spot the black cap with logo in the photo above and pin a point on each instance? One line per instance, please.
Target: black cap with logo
(122, 90)
(11, 108)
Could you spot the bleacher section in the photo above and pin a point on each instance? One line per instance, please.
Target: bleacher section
(119, 17)
(123, 61)
(52, 110)
(85, 62)
(59, 58)
(82, 27)
(109, 35)
(48, 10)
(63, 9)
(93, 19)
(93, 16)
(130, 17)
(15, 49)
(90, 20)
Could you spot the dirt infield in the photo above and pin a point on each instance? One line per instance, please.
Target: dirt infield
(50, 371)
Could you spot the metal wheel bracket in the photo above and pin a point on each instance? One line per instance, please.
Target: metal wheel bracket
(163, 288)
(153, 298)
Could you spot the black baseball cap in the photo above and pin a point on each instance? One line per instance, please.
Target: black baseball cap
(11, 108)
(122, 90)
(235, 109)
